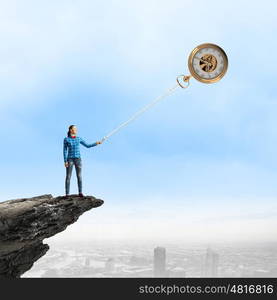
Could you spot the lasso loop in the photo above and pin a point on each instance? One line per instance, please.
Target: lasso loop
(181, 79)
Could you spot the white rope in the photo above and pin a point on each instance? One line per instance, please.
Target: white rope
(141, 111)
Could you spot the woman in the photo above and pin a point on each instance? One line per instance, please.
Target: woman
(71, 154)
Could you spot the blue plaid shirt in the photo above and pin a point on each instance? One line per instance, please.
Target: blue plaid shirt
(71, 147)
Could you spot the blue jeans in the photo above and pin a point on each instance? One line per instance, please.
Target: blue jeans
(77, 162)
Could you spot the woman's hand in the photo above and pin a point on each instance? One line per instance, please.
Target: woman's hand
(66, 164)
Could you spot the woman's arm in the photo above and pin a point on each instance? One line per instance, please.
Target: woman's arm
(65, 150)
(89, 145)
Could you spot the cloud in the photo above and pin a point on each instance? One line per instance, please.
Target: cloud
(180, 226)
(126, 43)
(221, 137)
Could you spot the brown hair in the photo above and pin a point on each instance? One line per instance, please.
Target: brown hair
(71, 126)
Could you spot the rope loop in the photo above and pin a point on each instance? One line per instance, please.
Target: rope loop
(183, 78)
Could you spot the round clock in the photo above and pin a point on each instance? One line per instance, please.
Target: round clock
(208, 63)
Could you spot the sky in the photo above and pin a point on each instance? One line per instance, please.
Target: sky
(200, 165)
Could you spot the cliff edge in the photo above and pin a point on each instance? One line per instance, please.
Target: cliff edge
(25, 222)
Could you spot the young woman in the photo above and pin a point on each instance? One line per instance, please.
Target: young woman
(72, 156)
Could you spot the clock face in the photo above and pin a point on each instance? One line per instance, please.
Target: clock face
(208, 63)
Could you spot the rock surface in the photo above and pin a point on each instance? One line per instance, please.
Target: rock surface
(24, 223)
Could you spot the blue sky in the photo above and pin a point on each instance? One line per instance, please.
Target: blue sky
(205, 155)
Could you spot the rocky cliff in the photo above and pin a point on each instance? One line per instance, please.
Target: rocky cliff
(24, 223)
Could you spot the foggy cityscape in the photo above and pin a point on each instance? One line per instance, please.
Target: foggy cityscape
(138, 259)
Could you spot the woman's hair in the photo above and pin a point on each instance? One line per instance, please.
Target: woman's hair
(68, 133)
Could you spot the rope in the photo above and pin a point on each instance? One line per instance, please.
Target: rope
(149, 105)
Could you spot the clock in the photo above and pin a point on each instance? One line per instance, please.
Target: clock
(208, 63)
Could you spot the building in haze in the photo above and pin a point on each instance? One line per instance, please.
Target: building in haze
(110, 265)
(211, 263)
(159, 262)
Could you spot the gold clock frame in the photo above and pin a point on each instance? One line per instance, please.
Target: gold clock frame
(195, 75)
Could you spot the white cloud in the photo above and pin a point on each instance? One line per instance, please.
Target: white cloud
(169, 225)
(130, 44)
(140, 47)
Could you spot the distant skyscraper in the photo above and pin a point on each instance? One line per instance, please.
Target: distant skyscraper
(87, 262)
(211, 263)
(159, 262)
(110, 265)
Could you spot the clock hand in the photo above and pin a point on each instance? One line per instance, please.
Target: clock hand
(201, 60)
